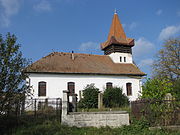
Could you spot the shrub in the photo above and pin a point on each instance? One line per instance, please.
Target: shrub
(156, 88)
(90, 97)
(176, 89)
(113, 97)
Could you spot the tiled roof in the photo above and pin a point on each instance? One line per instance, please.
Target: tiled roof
(116, 29)
(117, 41)
(78, 63)
(117, 35)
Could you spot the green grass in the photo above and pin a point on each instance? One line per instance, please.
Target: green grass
(29, 125)
(127, 108)
(55, 128)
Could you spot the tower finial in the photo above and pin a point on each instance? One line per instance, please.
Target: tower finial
(115, 11)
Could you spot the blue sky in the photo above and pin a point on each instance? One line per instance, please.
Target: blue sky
(44, 26)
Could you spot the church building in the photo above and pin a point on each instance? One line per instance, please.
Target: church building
(60, 71)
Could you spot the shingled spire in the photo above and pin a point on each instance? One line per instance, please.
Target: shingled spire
(117, 39)
(116, 29)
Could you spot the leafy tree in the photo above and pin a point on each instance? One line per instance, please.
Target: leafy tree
(12, 79)
(166, 71)
(167, 63)
(176, 89)
(156, 88)
(90, 97)
(113, 97)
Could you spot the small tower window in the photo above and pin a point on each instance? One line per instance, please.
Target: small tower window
(42, 89)
(124, 59)
(120, 59)
(71, 87)
(108, 85)
(129, 89)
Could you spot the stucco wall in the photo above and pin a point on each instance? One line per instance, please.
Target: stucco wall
(116, 57)
(56, 83)
(96, 119)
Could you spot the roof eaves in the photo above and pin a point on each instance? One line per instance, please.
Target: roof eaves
(122, 74)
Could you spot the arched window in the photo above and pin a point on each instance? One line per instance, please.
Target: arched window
(71, 87)
(42, 89)
(129, 89)
(108, 85)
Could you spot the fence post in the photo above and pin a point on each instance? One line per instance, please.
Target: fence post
(65, 105)
(57, 107)
(46, 102)
(35, 108)
(23, 106)
(100, 100)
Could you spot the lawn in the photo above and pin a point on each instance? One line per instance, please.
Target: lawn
(55, 128)
(30, 125)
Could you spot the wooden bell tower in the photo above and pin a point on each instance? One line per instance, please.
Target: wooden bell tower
(117, 40)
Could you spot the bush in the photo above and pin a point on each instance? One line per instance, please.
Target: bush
(156, 88)
(176, 89)
(90, 97)
(113, 97)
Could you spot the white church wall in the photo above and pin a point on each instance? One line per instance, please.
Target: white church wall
(56, 83)
(116, 57)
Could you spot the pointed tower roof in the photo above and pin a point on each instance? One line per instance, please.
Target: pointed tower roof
(116, 29)
(117, 35)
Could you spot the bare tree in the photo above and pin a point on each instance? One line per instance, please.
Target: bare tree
(167, 63)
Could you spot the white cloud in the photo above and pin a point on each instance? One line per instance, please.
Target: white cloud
(8, 8)
(142, 46)
(43, 6)
(132, 25)
(168, 32)
(159, 12)
(145, 62)
(89, 47)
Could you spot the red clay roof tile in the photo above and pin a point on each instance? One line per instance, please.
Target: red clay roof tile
(78, 63)
(117, 35)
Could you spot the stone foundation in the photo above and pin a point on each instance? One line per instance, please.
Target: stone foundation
(96, 119)
(92, 119)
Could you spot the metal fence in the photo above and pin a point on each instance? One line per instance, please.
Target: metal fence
(30, 111)
(34, 107)
(157, 112)
(43, 107)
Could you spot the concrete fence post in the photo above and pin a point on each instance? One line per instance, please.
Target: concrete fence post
(65, 107)
(100, 100)
(65, 102)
